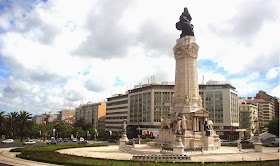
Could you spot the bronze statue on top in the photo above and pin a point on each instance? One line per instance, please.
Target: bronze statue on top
(185, 24)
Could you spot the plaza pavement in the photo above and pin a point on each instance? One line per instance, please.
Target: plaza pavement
(224, 154)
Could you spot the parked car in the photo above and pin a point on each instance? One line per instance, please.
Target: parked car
(8, 141)
(65, 139)
(30, 142)
(82, 141)
(74, 139)
(275, 141)
(52, 142)
(59, 139)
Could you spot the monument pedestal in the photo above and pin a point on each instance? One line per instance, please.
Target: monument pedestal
(178, 148)
(124, 138)
(257, 143)
(123, 141)
(258, 146)
(208, 143)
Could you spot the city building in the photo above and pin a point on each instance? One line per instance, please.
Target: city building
(101, 123)
(248, 116)
(65, 114)
(38, 119)
(274, 101)
(91, 112)
(221, 100)
(116, 112)
(148, 104)
(266, 111)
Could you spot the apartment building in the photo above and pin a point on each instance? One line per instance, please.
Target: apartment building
(266, 111)
(38, 119)
(148, 104)
(91, 112)
(221, 100)
(248, 116)
(116, 112)
(274, 101)
(65, 114)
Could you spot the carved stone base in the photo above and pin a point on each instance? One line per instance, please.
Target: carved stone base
(258, 146)
(122, 144)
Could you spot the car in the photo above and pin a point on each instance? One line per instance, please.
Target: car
(59, 139)
(52, 142)
(65, 140)
(275, 141)
(30, 142)
(74, 139)
(8, 141)
(82, 142)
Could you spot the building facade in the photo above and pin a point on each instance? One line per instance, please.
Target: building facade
(65, 114)
(38, 119)
(221, 100)
(266, 111)
(248, 116)
(91, 112)
(274, 101)
(147, 105)
(116, 112)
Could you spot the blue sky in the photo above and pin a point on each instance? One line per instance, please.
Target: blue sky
(57, 54)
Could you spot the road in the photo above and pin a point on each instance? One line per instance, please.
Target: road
(20, 144)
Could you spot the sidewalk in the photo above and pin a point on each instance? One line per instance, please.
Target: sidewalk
(9, 158)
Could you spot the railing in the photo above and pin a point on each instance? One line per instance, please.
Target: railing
(193, 150)
(163, 158)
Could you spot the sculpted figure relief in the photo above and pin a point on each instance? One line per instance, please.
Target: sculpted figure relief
(185, 24)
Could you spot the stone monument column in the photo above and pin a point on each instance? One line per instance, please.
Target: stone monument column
(186, 97)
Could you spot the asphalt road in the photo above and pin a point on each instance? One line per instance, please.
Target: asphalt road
(20, 144)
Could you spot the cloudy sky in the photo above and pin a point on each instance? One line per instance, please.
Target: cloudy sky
(56, 54)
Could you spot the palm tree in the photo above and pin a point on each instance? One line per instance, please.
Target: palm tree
(2, 122)
(24, 121)
(12, 122)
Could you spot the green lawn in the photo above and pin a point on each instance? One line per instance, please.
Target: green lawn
(48, 154)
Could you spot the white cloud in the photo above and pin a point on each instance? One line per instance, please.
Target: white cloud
(253, 76)
(273, 73)
(276, 91)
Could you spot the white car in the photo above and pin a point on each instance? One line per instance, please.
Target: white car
(8, 141)
(30, 142)
(74, 140)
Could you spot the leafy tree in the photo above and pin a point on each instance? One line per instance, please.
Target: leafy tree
(2, 123)
(273, 126)
(62, 129)
(78, 132)
(82, 124)
(36, 128)
(24, 123)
